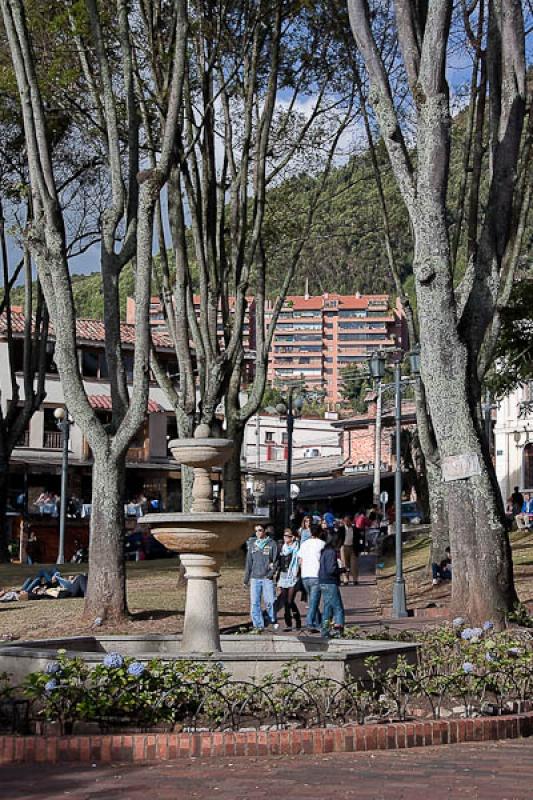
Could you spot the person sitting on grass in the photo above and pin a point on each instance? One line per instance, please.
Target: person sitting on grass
(443, 570)
(51, 588)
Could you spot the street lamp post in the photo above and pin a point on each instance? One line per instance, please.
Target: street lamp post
(399, 602)
(291, 409)
(377, 370)
(63, 423)
(376, 365)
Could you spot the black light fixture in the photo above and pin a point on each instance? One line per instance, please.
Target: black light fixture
(376, 365)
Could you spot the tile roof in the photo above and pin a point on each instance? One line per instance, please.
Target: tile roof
(90, 330)
(103, 403)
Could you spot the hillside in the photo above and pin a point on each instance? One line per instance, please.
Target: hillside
(345, 250)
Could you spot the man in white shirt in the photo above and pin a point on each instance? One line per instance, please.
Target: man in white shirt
(309, 558)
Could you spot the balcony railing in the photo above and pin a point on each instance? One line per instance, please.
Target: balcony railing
(52, 440)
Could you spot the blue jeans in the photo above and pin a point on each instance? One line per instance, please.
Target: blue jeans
(262, 587)
(312, 588)
(31, 583)
(333, 607)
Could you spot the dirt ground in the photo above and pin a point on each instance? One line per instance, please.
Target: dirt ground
(155, 601)
(417, 571)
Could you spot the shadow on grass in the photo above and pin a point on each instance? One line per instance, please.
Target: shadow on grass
(155, 613)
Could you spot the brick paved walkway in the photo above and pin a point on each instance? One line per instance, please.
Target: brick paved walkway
(495, 771)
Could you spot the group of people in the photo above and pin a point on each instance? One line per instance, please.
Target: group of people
(521, 509)
(317, 555)
(47, 584)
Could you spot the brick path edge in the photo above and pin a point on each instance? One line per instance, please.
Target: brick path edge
(347, 739)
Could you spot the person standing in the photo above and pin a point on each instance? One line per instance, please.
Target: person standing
(305, 529)
(329, 582)
(361, 524)
(517, 501)
(350, 551)
(288, 579)
(309, 558)
(261, 566)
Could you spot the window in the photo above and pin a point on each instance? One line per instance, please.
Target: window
(269, 436)
(94, 364)
(284, 437)
(527, 466)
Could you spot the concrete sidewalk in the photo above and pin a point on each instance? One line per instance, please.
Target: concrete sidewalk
(362, 607)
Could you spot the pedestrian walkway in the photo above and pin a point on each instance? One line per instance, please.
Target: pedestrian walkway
(485, 771)
(362, 608)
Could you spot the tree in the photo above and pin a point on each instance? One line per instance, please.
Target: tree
(242, 57)
(17, 411)
(107, 98)
(459, 324)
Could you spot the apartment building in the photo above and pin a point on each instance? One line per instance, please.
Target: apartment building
(316, 338)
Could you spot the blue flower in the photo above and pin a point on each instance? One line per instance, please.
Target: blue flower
(458, 622)
(490, 657)
(53, 668)
(468, 667)
(515, 651)
(471, 633)
(113, 660)
(136, 669)
(488, 625)
(51, 685)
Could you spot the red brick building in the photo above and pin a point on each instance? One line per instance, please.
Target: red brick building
(359, 433)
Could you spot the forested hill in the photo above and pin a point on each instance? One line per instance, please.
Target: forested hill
(345, 251)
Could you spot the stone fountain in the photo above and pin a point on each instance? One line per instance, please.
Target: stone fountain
(201, 537)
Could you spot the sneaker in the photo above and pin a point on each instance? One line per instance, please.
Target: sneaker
(257, 630)
(313, 630)
(287, 629)
(435, 581)
(275, 625)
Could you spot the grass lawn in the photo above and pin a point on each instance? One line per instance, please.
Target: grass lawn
(155, 601)
(421, 592)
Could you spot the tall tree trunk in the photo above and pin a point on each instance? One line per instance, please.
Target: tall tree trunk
(106, 590)
(232, 469)
(482, 586)
(185, 424)
(4, 540)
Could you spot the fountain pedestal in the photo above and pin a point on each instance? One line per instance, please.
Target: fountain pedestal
(200, 627)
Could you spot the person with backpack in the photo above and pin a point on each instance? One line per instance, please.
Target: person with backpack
(329, 581)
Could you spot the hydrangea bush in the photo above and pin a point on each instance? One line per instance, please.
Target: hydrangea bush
(463, 669)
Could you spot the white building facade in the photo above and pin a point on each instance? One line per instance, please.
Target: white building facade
(513, 440)
(265, 439)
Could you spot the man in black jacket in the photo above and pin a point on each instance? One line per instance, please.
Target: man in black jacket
(261, 566)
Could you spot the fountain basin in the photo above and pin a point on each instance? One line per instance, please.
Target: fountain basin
(245, 657)
(201, 453)
(214, 532)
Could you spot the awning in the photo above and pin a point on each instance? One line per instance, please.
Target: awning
(327, 489)
(103, 403)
